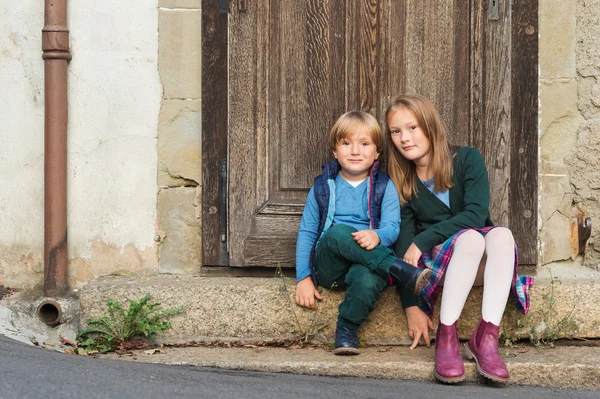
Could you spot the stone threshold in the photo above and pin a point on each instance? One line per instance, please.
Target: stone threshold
(245, 309)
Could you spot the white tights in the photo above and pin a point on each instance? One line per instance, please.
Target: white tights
(469, 250)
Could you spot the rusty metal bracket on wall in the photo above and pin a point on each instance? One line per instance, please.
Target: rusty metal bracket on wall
(584, 227)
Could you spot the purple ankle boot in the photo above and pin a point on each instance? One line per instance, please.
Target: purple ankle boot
(449, 367)
(483, 347)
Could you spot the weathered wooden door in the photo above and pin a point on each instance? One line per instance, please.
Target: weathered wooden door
(295, 66)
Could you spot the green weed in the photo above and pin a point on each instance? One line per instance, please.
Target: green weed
(120, 326)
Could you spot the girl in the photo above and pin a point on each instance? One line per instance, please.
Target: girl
(446, 227)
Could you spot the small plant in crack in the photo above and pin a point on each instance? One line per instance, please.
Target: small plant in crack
(142, 318)
(316, 325)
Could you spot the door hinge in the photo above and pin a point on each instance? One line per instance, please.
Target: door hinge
(223, 6)
(223, 216)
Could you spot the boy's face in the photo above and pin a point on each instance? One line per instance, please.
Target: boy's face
(356, 153)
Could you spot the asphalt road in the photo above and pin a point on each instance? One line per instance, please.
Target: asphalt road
(29, 372)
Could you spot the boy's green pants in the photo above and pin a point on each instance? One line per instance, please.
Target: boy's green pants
(342, 264)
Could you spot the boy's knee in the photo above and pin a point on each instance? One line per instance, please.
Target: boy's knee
(343, 229)
(338, 232)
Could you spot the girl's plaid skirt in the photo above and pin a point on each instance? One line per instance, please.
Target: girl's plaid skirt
(438, 259)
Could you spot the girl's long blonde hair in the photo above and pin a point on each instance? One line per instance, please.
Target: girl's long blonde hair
(403, 171)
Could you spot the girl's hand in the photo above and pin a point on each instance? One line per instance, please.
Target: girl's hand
(306, 293)
(419, 325)
(412, 255)
(367, 239)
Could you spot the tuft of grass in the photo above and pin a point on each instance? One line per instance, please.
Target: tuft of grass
(551, 327)
(316, 325)
(142, 318)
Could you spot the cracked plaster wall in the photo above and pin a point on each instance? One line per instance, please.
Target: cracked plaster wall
(114, 103)
(569, 125)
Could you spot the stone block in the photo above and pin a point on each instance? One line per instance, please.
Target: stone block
(558, 42)
(556, 193)
(180, 249)
(194, 4)
(560, 119)
(558, 100)
(589, 97)
(583, 168)
(179, 53)
(588, 32)
(180, 143)
(259, 309)
(555, 236)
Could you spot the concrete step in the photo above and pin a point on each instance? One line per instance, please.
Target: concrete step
(564, 305)
(567, 367)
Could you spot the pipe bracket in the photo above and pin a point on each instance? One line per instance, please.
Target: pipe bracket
(55, 44)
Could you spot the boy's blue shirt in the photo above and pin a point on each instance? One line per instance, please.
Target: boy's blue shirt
(351, 208)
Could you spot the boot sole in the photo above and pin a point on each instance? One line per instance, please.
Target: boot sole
(449, 380)
(471, 356)
(346, 351)
(422, 281)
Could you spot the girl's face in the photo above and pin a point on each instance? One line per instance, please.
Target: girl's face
(408, 137)
(356, 153)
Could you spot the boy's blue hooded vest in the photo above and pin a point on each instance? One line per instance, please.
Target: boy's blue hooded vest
(323, 186)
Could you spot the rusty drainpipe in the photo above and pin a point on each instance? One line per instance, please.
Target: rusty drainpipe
(55, 47)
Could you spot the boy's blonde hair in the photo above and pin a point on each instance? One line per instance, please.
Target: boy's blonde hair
(347, 124)
(403, 171)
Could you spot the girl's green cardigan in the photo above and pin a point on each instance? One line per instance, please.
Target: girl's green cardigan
(427, 221)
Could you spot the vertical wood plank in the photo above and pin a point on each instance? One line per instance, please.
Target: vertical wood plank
(391, 60)
(214, 124)
(262, 128)
(492, 107)
(312, 86)
(437, 59)
(524, 144)
(242, 129)
(461, 117)
(368, 25)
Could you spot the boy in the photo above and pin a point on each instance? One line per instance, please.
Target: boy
(350, 220)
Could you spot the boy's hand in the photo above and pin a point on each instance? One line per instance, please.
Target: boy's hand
(367, 239)
(306, 293)
(419, 325)
(412, 255)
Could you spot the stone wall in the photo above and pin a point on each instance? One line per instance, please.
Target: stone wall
(584, 164)
(569, 125)
(179, 137)
(114, 100)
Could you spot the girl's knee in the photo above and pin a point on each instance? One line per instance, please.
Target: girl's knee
(470, 243)
(500, 237)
